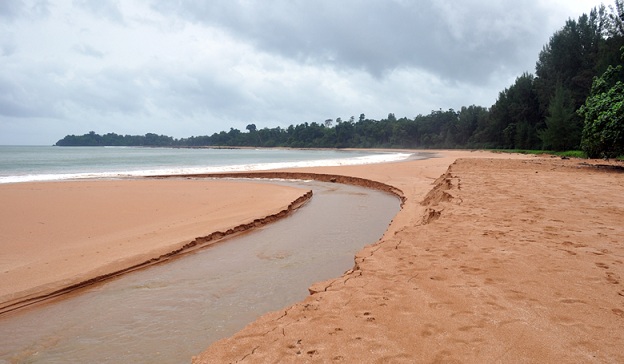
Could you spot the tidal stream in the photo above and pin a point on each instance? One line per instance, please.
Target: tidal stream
(169, 312)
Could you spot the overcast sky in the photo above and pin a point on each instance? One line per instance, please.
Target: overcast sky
(195, 67)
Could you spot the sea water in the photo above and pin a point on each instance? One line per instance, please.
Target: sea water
(44, 163)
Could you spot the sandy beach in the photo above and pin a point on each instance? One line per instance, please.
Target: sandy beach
(493, 258)
(58, 235)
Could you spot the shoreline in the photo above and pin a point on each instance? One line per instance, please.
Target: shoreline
(37, 287)
(197, 162)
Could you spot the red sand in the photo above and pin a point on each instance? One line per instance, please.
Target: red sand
(496, 261)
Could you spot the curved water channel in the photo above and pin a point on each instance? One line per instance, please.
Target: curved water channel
(169, 312)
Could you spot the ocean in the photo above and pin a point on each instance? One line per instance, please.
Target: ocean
(45, 163)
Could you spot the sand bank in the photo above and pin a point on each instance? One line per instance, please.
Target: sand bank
(56, 236)
(494, 258)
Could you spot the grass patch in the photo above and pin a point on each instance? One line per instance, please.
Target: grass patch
(567, 153)
(571, 154)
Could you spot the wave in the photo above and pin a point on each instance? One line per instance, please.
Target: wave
(361, 160)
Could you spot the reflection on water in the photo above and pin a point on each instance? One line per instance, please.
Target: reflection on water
(169, 312)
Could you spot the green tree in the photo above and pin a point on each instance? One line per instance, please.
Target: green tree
(569, 59)
(468, 121)
(513, 120)
(616, 19)
(603, 111)
(345, 131)
(561, 132)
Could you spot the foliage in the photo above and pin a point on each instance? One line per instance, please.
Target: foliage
(514, 118)
(616, 18)
(603, 134)
(571, 153)
(111, 139)
(569, 58)
(562, 132)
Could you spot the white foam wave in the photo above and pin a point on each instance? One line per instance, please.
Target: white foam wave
(369, 159)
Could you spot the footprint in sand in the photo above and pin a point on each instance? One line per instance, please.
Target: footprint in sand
(602, 252)
(574, 245)
(368, 316)
(430, 330)
(612, 278)
(572, 300)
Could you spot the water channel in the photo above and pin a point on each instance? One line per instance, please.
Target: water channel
(172, 311)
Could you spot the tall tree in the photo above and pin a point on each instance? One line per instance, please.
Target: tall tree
(570, 57)
(514, 118)
(616, 19)
(603, 134)
(560, 132)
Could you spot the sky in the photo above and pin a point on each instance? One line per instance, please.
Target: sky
(193, 67)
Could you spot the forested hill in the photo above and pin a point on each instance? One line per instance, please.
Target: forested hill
(575, 99)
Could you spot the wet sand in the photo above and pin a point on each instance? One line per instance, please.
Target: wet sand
(56, 236)
(494, 258)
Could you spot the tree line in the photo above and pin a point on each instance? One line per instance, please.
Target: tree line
(573, 100)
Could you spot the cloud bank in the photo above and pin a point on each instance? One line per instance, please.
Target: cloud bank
(194, 67)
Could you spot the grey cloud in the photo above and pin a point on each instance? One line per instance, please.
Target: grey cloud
(125, 93)
(175, 98)
(13, 9)
(11, 107)
(7, 48)
(43, 93)
(106, 92)
(40, 8)
(23, 97)
(87, 50)
(107, 9)
(10, 9)
(464, 42)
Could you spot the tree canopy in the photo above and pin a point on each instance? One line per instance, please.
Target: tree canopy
(603, 134)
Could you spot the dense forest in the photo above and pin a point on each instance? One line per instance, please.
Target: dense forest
(574, 100)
